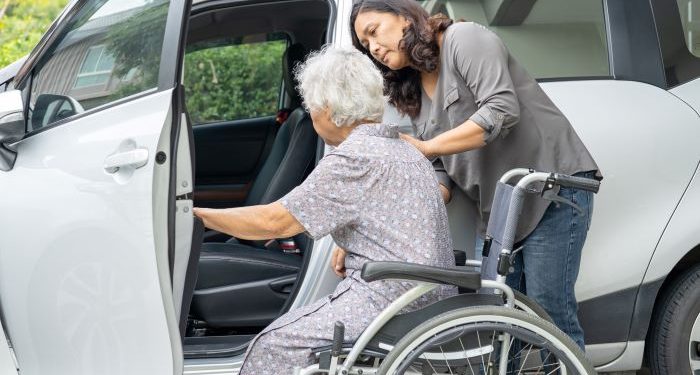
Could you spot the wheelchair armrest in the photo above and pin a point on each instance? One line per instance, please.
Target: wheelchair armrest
(372, 271)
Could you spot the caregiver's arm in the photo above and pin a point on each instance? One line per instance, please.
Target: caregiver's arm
(465, 137)
(483, 62)
(253, 222)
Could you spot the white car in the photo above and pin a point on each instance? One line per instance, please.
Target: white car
(128, 113)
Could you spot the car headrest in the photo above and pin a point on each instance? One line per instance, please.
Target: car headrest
(294, 55)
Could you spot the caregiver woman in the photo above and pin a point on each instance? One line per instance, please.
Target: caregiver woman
(478, 114)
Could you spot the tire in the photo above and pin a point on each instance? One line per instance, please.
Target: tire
(673, 343)
(444, 329)
(524, 303)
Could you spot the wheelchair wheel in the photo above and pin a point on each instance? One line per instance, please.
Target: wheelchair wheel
(523, 302)
(473, 340)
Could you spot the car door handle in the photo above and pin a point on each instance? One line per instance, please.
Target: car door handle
(283, 284)
(136, 158)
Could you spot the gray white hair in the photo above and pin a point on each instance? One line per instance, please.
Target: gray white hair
(346, 82)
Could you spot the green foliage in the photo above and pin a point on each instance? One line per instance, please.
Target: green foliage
(136, 45)
(226, 81)
(23, 24)
(233, 82)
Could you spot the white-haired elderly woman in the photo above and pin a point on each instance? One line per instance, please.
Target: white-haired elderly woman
(375, 194)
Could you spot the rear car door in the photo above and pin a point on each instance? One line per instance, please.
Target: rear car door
(90, 205)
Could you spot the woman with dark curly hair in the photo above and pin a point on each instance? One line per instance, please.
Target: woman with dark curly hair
(477, 114)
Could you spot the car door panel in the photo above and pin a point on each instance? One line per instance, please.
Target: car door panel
(75, 287)
(7, 362)
(228, 157)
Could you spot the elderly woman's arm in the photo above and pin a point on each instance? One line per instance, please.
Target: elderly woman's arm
(253, 222)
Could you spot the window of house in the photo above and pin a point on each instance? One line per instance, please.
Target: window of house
(96, 69)
(234, 79)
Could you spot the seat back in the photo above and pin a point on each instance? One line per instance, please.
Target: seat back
(291, 146)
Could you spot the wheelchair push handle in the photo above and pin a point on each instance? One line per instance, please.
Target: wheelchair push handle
(574, 182)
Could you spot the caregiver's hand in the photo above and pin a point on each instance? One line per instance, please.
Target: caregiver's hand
(465, 137)
(338, 261)
(423, 146)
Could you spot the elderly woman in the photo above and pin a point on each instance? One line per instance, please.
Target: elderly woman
(374, 193)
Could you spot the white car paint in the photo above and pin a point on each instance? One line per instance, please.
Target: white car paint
(114, 288)
(632, 130)
(83, 265)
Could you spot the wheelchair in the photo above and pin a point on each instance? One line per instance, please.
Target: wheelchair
(486, 329)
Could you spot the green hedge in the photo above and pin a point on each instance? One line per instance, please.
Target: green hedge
(233, 82)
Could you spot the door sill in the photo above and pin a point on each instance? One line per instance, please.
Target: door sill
(215, 346)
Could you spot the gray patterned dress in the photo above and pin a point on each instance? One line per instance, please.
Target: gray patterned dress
(379, 199)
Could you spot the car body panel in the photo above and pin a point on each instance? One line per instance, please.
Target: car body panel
(82, 267)
(8, 365)
(616, 120)
(681, 234)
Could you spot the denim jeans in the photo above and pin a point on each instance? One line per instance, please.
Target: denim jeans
(547, 267)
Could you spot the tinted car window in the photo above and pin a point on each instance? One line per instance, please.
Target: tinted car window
(234, 79)
(551, 38)
(680, 39)
(689, 12)
(109, 50)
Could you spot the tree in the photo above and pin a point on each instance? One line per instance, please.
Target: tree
(136, 45)
(22, 23)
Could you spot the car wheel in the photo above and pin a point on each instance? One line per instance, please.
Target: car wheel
(673, 344)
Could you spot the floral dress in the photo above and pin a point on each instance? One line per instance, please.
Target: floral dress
(378, 197)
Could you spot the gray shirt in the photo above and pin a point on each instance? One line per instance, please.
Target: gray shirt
(480, 81)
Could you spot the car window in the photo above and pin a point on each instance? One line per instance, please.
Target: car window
(690, 19)
(109, 50)
(550, 38)
(234, 79)
(3, 87)
(681, 52)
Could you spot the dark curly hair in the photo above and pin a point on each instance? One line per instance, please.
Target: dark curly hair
(419, 41)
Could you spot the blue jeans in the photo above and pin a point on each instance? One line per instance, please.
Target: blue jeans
(547, 267)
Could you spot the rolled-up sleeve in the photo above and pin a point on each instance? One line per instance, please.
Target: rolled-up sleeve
(328, 199)
(482, 60)
(441, 174)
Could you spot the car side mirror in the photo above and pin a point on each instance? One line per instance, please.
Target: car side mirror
(12, 126)
(50, 108)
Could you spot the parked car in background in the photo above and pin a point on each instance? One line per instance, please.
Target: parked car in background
(128, 113)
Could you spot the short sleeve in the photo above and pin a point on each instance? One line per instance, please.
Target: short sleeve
(483, 62)
(329, 198)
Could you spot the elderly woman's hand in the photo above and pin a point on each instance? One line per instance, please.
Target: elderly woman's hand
(423, 146)
(338, 261)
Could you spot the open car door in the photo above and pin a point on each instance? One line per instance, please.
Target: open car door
(7, 363)
(97, 194)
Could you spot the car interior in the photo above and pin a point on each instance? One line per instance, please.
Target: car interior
(245, 54)
(253, 144)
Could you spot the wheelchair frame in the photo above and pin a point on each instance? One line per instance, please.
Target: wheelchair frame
(501, 230)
